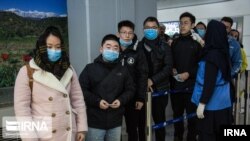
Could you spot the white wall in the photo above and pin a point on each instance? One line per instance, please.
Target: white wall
(235, 8)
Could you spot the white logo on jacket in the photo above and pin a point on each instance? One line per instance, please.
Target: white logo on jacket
(130, 60)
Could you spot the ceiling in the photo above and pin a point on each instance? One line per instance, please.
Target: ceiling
(167, 4)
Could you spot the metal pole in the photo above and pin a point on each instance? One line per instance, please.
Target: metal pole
(237, 101)
(148, 117)
(247, 100)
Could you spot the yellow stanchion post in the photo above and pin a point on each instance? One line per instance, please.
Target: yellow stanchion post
(148, 117)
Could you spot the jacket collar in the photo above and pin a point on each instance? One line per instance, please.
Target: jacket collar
(133, 46)
(48, 79)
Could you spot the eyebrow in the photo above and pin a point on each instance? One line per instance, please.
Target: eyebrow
(126, 31)
(111, 45)
(53, 44)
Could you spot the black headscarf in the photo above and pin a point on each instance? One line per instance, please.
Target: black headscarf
(57, 68)
(216, 49)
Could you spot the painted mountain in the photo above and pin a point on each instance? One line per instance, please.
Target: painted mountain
(18, 24)
(34, 14)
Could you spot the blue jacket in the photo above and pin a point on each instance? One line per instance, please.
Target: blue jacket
(235, 55)
(221, 96)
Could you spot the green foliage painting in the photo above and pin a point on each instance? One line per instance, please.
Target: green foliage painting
(19, 30)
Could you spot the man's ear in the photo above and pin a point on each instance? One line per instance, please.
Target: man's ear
(101, 49)
(117, 34)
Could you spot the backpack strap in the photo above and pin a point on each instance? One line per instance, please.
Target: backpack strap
(30, 72)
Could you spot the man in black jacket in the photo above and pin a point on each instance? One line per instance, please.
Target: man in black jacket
(107, 86)
(136, 63)
(159, 59)
(186, 56)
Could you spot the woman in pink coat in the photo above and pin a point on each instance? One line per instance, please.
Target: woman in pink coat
(56, 92)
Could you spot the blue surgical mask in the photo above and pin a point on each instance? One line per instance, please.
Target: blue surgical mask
(110, 55)
(54, 55)
(125, 43)
(150, 34)
(201, 32)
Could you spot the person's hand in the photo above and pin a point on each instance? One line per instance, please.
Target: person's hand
(104, 104)
(197, 37)
(174, 72)
(184, 76)
(115, 104)
(138, 105)
(150, 84)
(200, 110)
(80, 136)
(170, 42)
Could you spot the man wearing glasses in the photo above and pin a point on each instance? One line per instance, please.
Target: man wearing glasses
(136, 63)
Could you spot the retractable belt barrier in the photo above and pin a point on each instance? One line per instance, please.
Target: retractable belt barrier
(149, 126)
(168, 122)
(162, 124)
(162, 93)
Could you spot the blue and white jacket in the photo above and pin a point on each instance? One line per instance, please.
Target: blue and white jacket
(235, 55)
(221, 95)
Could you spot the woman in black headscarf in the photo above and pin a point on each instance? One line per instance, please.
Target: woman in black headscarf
(212, 91)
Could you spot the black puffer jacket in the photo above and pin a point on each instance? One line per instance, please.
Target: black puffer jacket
(159, 61)
(107, 81)
(136, 63)
(186, 54)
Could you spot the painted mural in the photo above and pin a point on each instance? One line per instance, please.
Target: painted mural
(21, 22)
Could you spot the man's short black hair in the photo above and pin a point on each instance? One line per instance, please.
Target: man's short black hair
(202, 24)
(189, 15)
(126, 23)
(151, 19)
(228, 19)
(110, 37)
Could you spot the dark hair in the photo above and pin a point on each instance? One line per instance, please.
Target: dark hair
(227, 19)
(51, 30)
(238, 38)
(176, 35)
(110, 37)
(41, 57)
(202, 24)
(126, 23)
(151, 19)
(189, 15)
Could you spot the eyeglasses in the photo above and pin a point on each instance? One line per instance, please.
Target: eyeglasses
(127, 33)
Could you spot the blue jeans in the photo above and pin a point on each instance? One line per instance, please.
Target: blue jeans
(95, 134)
